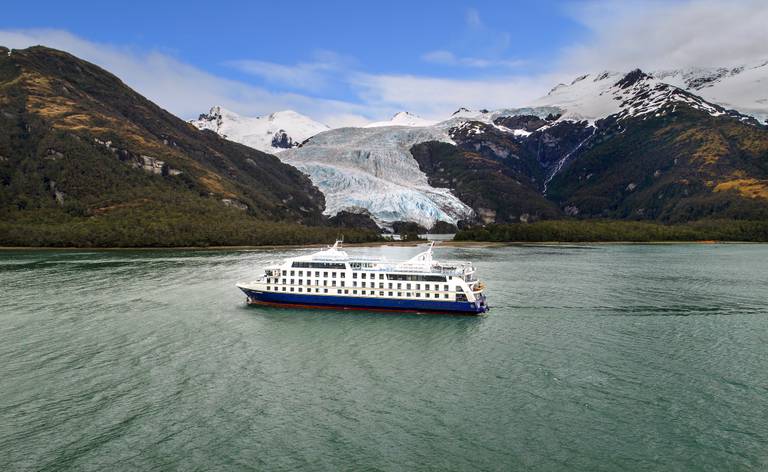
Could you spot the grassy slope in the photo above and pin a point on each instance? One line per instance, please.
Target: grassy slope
(485, 184)
(54, 106)
(682, 166)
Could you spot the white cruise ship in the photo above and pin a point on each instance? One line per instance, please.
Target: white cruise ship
(331, 279)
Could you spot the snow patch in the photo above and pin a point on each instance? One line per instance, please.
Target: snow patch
(271, 133)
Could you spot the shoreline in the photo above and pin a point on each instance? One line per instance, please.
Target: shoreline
(469, 244)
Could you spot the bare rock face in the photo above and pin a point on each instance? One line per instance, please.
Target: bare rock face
(281, 140)
(358, 218)
(234, 204)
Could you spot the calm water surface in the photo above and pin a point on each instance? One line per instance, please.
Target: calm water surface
(592, 358)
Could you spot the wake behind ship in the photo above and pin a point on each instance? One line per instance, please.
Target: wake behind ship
(331, 279)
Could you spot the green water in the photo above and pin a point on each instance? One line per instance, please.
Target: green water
(592, 358)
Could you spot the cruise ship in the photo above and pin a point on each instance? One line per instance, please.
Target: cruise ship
(331, 279)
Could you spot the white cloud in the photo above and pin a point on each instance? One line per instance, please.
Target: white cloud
(187, 91)
(477, 46)
(436, 98)
(183, 89)
(662, 35)
(622, 35)
(472, 18)
(314, 75)
(448, 58)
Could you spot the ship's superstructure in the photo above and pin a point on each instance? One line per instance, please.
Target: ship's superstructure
(331, 279)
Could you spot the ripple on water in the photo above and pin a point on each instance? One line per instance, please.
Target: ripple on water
(592, 358)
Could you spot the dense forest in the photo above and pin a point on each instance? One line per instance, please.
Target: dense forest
(611, 230)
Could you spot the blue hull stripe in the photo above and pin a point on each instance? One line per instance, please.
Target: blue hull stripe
(361, 302)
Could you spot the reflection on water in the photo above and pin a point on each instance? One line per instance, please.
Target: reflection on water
(592, 358)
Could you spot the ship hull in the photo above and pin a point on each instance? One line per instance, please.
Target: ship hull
(363, 303)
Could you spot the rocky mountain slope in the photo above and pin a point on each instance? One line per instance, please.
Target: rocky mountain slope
(271, 133)
(77, 147)
(376, 170)
(593, 148)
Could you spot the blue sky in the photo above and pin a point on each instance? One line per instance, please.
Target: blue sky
(348, 62)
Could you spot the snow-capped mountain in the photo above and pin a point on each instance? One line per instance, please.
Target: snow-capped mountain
(595, 96)
(743, 88)
(403, 118)
(271, 133)
(372, 168)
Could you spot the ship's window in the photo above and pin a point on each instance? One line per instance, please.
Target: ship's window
(418, 286)
(399, 294)
(418, 295)
(381, 294)
(325, 290)
(354, 283)
(399, 285)
(390, 285)
(446, 287)
(292, 289)
(408, 286)
(446, 296)
(342, 274)
(333, 283)
(325, 274)
(317, 273)
(354, 292)
(362, 276)
(354, 275)
(437, 295)
(299, 289)
(381, 284)
(426, 286)
(338, 291)
(346, 291)
(333, 274)
(390, 294)
(301, 273)
(285, 272)
(283, 289)
(292, 273)
(362, 284)
(408, 294)
(267, 287)
(291, 281)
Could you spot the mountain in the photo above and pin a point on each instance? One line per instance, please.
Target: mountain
(402, 118)
(606, 145)
(594, 96)
(271, 133)
(85, 160)
(632, 147)
(520, 164)
(743, 88)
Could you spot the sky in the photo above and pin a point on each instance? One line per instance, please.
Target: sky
(352, 62)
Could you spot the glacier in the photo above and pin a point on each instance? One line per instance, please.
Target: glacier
(373, 168)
